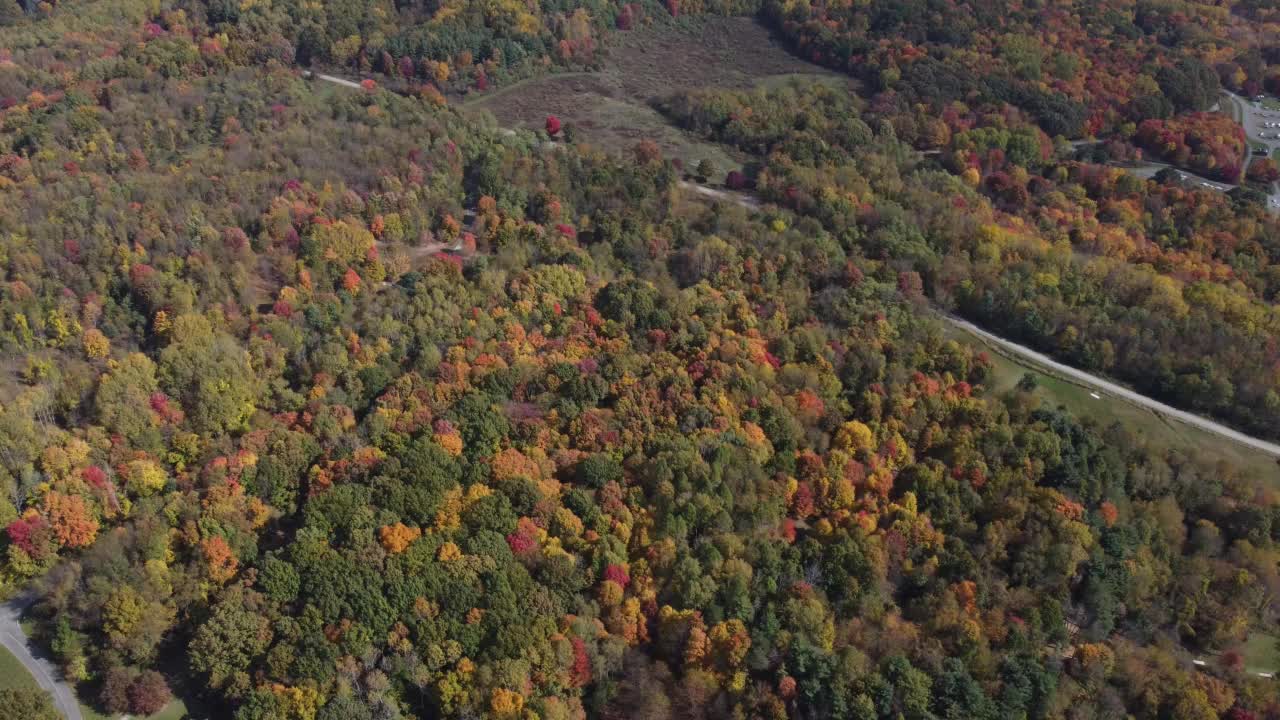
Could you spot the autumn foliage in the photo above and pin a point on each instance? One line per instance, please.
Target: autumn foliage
(630, 452)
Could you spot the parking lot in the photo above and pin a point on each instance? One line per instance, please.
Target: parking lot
(1262, 129)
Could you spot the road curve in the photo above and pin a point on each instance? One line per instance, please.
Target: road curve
(46, 674)
(751, 202)
(1118, 391)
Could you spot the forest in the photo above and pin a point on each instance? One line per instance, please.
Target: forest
(325, 403)
(1168, 287)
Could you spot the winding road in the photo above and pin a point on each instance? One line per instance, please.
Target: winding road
(46, 674)
(1079, 376)
(1253, 117)
(1119, 391)
(751, 202)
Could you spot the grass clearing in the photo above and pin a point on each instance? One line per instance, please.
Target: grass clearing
(1160, 432)
(1262, 653)
(175, 710)
(1271, 103)
(13, 676)
(600, 117)
(612, 108)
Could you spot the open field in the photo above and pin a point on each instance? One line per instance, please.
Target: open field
(1262, 653)
(1157, 430)
(175, 710)
(12, 675)
(612, 108)
(1228, 105)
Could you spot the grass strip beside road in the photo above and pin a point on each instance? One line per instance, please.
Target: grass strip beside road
(1161, 432)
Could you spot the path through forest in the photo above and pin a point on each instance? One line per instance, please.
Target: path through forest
(45, 673)
(751, 202)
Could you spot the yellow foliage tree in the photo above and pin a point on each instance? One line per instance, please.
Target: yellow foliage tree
(448, 551)
(122, 612)
(96, 345)
(145, 477)
(398, 537)
(451, 442)
(506, 703)
(855, 435)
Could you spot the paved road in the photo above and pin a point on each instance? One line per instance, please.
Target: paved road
(1254, 116)
(46, 674)
(333, 79)
(1118, 391)
(1149, 168)
(751, 202)
(1080, 376)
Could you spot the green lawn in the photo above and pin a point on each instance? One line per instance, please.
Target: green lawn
(1262, 653)
(1228, 106)
(1156, 430)
(176, 710)
(12, 674)
(1271, 103)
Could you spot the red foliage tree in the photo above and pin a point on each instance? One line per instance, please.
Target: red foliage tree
(95, 476)
(520, 543)
(1263, 170)
(553, 125)
(1232, 660)
(627, 17)
(618, 574)
(148, 694)
(31, 533)
(114, 694)
(580, 672)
